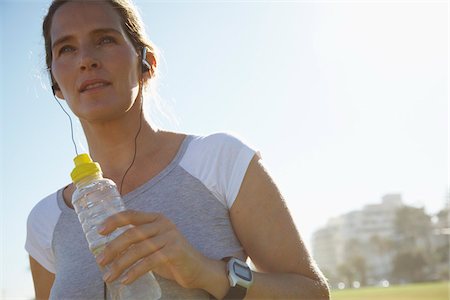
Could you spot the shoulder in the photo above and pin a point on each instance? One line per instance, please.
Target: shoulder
(219, 161)
(41, 223)
(44, 210)
(220, 143)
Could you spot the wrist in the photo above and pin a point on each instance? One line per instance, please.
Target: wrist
(240, 277)
(214, 279)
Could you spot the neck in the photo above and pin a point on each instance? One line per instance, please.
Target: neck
(113, 143)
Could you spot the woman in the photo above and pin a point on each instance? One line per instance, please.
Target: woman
(200, 205)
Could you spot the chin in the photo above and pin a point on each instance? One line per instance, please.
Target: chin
(101, 107)
(103, 113)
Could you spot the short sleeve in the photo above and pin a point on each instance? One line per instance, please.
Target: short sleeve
(40, 227)
(220, 162)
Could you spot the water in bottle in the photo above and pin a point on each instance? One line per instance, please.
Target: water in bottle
(95, 199)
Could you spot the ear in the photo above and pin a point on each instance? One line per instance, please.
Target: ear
(55, 87)
(59, 94)
(150, 58)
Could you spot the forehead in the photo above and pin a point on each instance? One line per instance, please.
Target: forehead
(81, 17)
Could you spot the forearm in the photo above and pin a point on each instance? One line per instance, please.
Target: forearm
(286, 286)
(266, 285)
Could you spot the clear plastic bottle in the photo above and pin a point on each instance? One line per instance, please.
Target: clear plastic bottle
(95, 199)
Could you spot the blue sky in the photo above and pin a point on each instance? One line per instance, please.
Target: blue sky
(345, 101)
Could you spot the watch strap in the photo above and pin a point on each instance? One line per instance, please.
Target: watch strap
(236, 292)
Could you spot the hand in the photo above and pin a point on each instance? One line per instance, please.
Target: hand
(156, 244)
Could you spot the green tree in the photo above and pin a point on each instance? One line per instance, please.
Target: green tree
(414, 231)
(442, 244)
(355, 251)
(381, 245)
(346, 274)
(409, 267)
(382, 249)
(412, 226)
(359, 266)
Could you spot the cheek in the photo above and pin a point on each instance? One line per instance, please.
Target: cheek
(55, 71)
(133, 74)
(62, 75)
(128, 82)
(127, 66)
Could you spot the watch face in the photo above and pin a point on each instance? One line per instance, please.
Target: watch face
(242, 271)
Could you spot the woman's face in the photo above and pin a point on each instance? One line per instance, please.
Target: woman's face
(94, 62)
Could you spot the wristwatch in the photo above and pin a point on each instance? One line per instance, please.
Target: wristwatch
(240, 277)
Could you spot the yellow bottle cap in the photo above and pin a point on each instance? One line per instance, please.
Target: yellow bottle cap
(84, 166)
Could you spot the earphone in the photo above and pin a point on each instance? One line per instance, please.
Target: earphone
(53, 83)
(145, 66)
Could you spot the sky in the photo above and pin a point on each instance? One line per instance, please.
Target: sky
(345, 100)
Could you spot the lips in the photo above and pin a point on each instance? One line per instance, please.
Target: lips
(93, 84)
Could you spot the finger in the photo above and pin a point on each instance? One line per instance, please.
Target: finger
(127, 217)
(145, 265)
(134, 254)
(131, 236)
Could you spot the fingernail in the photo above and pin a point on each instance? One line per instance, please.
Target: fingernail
(124, 280)
(100, 258)
(106, 276)
(101, 228)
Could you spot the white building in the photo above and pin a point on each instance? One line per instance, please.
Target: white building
(365, 233)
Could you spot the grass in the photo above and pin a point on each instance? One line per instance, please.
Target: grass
(418, 291)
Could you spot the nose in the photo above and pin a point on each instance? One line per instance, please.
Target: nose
(88, 60)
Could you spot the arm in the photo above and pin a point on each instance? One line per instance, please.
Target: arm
(42, 279)
(265, 228)
(263, 225)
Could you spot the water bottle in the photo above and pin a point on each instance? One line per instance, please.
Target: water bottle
(95, 199)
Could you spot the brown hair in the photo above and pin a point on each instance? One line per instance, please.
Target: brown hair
(131, 23)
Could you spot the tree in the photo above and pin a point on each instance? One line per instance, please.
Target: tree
(381, 245)
(412, 225)
(346, 273)
(359, 267)
(442, 244)
(355, 251)
(414, 230)
(409, 267)
(381, 250)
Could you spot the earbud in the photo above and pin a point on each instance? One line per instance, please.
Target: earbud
(53, 84)
(145, 65)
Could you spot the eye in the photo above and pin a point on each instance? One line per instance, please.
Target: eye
(107, 40)
(66, 49)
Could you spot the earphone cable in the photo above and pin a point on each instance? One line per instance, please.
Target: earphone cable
(71, 124)
(141, 83)
(135, 147)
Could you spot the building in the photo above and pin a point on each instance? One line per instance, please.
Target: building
(362, 238)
